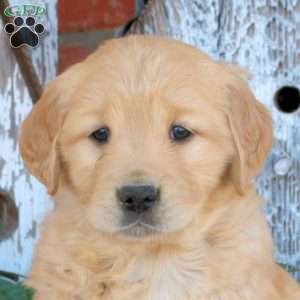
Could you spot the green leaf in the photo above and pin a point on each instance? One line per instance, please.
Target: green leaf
(14, 291)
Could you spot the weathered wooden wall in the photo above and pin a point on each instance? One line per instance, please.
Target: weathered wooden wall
(264, 37)
(15, 103)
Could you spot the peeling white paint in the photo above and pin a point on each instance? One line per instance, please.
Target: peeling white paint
(264, 37)
(15, 103)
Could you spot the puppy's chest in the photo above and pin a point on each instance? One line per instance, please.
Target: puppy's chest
(170, 279)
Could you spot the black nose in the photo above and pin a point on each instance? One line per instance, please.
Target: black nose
(138, 198)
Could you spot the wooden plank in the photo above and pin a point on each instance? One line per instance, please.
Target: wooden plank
(264, 37)
(15, 103)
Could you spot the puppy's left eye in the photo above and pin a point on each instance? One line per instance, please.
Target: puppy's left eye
(179, 133)
(101, 135)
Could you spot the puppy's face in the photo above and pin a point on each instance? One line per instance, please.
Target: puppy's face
(143, 136)
(142, 161)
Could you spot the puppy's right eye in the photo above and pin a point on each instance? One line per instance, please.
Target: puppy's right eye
(101, 135)
(179, 133)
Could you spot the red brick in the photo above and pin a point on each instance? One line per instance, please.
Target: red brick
(78, 15)
(71, 54)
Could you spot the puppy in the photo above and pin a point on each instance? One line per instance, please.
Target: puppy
(150, 149)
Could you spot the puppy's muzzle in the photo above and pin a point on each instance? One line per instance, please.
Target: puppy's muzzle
(137, 198)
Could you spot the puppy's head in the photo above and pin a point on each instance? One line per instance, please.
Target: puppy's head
(143, 132)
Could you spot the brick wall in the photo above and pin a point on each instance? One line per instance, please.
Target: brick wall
(83, 25)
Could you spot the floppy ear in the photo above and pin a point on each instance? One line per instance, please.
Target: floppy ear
(252, 132)
(40, 130)
(38, 141)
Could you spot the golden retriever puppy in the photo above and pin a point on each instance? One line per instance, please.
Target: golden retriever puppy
(150, 149)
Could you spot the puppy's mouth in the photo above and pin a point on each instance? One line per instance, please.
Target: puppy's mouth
(140, 228)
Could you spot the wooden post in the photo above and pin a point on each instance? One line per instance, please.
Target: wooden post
(263, 36)
(15, 103)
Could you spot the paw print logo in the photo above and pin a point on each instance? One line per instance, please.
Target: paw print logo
(24, 32)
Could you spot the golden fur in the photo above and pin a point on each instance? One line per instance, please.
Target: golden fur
(211, 241)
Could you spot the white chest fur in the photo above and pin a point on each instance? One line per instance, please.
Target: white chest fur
(168, 277)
